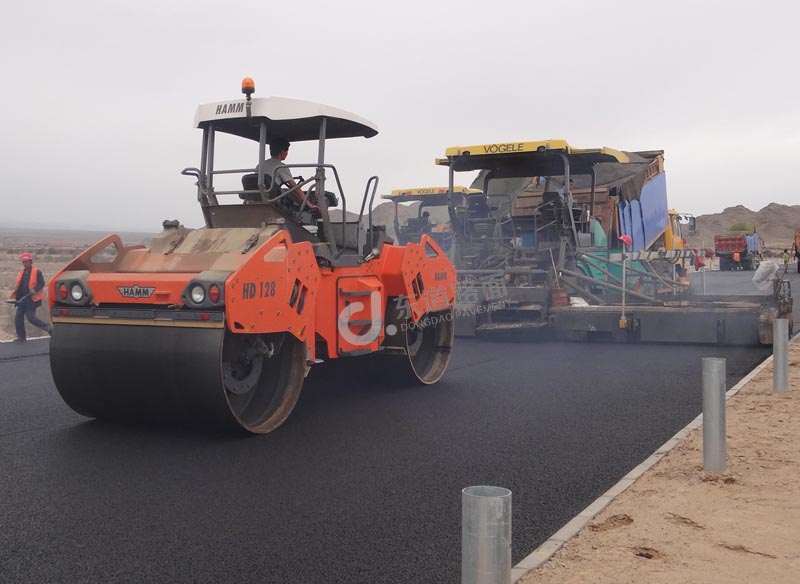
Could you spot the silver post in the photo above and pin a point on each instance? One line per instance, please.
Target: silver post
(623, 322)
(780, 355)
(703, 270)
(714, 455)
(485, 535)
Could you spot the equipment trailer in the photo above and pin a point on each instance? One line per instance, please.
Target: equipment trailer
(218, 326)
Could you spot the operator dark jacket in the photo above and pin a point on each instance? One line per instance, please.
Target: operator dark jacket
(24, 280)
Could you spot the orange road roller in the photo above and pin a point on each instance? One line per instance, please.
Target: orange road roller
(219, 326)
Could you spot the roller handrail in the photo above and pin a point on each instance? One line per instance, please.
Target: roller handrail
(371, 200)
(297, 188)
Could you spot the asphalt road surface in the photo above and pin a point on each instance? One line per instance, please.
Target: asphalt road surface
(361, 485)
(740, 283)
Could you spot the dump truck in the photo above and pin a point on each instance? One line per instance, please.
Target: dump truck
(545, 253)
(219, 326)
(749, 247)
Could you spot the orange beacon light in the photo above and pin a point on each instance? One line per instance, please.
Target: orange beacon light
(248, 86)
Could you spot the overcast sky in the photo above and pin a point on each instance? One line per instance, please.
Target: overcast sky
(98, 97)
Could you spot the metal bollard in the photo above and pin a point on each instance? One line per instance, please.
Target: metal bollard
(714, 449)
(780, 355)
(485, 535)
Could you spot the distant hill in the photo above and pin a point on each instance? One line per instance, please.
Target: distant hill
(776, 223)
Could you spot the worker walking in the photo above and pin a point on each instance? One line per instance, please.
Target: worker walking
(27, 296)
(786, 257)
(797, 256)
(737, 257)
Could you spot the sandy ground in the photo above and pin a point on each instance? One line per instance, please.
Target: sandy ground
(678, 523)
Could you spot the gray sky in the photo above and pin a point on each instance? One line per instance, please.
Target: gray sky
(98, 97)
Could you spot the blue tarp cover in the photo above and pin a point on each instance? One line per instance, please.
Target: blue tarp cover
(646, 219)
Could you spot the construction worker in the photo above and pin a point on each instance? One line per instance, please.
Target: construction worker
(274, 165)
(27, 297)
(796, 251)
(737, 257)
(786, 257)
(427, 227)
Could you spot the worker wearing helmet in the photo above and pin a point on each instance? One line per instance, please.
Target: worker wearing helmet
(27, 296)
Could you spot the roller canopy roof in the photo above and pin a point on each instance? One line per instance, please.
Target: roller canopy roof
(295, 120)
(517, 159)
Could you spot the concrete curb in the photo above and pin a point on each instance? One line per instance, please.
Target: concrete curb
(545, 551)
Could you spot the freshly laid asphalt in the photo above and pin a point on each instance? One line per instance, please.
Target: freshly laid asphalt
(361, 485)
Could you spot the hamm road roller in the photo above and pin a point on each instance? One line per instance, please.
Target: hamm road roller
(219, 326)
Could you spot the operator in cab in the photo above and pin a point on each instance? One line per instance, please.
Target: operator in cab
(275, 169)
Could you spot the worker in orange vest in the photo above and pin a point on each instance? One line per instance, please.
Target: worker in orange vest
(27, 296)
(737, 257)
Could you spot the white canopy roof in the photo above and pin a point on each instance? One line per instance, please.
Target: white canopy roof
(292, 119)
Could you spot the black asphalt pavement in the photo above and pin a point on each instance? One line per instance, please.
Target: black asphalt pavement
(735, 283)
(361, 485)
(740, 283)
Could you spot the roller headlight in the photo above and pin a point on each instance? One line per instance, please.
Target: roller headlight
(198, 294)
(76, 292)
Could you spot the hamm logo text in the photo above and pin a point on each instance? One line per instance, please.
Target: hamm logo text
(136, 291)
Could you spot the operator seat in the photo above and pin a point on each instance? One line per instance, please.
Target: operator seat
(418, 225)
(478, 208)
(250, 183)
(552, 205)
(480, 222)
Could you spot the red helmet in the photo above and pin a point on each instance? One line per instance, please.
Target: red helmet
(26, 257)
